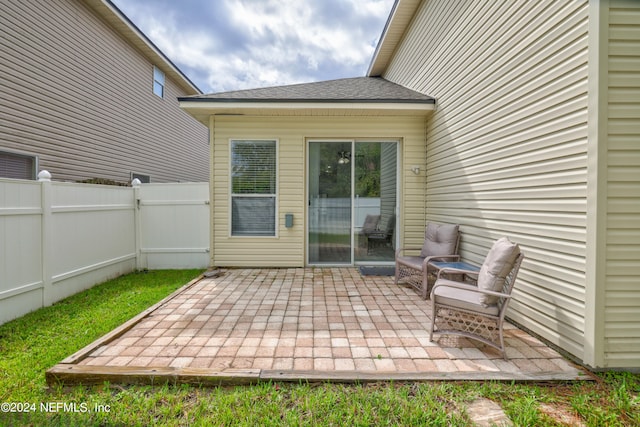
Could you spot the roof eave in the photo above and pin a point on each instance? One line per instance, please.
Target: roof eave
(302, 103)
(201, 109)
(401, 15)
(193, 105)
(128, 30)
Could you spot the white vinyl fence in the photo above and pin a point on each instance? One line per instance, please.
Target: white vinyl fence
(59, 238)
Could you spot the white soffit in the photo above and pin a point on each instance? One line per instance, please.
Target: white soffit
(401, 15)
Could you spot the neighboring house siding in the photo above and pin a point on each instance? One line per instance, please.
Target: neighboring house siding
(507, 144)
(288, 248)
(78, 96)
(622, 317)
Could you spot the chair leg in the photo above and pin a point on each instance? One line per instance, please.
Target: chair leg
(502, 347)
(395, 280)
(433, 320)
(425, 283)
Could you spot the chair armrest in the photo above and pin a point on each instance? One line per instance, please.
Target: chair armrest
(377, 235)
(467, 287)
(401, 250)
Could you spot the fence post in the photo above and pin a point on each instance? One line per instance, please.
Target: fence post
(137, 224)
(44, 177)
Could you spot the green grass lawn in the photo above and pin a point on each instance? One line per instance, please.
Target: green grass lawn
(39, 340)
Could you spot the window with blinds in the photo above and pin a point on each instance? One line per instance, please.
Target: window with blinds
(253, 188)
(17, 166)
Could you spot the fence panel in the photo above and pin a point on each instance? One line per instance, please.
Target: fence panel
(174, 225)
(21, 281)
(93, 232)
(58, 238)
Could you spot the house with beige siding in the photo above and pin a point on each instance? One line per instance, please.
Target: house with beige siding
(297, 170)
(85, 94)
(518, 119)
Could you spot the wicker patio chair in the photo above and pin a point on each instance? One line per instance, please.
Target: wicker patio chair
(440, 244)
(475, 308)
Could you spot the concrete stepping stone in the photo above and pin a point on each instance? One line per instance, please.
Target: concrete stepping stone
(485, 412)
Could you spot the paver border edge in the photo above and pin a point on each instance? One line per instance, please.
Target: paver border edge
(70, 374)
(126, 326)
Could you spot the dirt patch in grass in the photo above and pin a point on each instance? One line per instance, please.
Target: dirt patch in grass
(561, 414)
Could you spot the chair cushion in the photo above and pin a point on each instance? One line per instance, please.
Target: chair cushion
(414, 262)
(370, 224)
(461, 298)
(496, 267)
(440, 239)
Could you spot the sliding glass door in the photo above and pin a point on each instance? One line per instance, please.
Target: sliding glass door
(330, 203)
(352, 187)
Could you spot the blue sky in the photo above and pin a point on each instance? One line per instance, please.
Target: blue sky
(224, 45)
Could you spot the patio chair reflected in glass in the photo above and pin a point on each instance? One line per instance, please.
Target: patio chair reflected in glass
(441, 243)
(475, 306)
(370, 226)
(381, 237)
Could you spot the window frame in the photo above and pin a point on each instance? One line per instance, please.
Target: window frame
(274, 195)
(162, 84)
(144, 178)
(35, 161)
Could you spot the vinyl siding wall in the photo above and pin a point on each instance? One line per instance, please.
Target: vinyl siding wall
(288, 249)
(507, 144)
(622, 316)
(79, 97)
(389, 184)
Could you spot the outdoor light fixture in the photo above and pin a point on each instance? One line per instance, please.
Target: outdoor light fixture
(344, 157)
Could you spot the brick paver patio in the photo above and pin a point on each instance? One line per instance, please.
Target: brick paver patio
(302, 323)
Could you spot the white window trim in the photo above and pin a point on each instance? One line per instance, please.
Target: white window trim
(276, 194)
(36, 159)
(163, 83)
(134, 175)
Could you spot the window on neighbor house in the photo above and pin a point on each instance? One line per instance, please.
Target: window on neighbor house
(145, 179)
(253, 187)
(158, 82)
(18, 165)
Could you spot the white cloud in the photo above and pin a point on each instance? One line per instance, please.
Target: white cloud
(236, 44)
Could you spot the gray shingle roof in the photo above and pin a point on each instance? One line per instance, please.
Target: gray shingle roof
(357, 89)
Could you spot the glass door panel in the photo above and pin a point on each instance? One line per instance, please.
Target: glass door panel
(375, 199)
(330, 189)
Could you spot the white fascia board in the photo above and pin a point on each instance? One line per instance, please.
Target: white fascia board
(418, 106)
